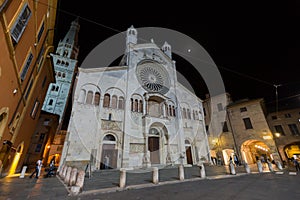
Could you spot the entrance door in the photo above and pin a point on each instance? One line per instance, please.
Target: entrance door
(112, 154)
(153, 145)
(188, 152)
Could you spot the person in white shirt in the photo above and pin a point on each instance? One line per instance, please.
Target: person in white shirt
(37, 170)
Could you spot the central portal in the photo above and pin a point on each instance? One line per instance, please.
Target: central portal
(153, 144)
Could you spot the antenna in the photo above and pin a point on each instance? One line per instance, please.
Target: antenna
(276, 93)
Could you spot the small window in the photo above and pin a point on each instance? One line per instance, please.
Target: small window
(287, 115)
(29, 89)
(248, 124)
(294, 129)
(121, 103)
(97, 98)
(114, 101)
(243, 109)
(38, 147)
(42, 137)
(89, 97)
(26, 66)
(50, 102)
(20, 24)
(41, 31)
(274, 117)
(35, 109)
(279, 129)
(106, 101)
(109, 116)
(220, 107)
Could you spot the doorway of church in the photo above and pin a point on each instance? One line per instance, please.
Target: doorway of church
(109, 157)
(188, 152)
(153, 144)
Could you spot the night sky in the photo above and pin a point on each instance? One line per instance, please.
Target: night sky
(255, 45)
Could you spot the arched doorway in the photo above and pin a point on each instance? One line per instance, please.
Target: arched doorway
(188, 152)
(292, 150)
(109, 156)
(253, 149)
(153, 146)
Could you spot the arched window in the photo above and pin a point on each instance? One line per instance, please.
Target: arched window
(109, 138)
(196, 115)
(82, 96)
(184, 113)
(135, 107)
(50, 102)
(59, 74)
(97, 98)
(114, 101)
(57, 88)
(106, 100)
(58, 62)
(173, 111)
(109, 116)
(89, 97)
(53, 88)
(121, 103)
(131, 104)
(64, 75)
(141, 106)
(188, 114)
(170, 111)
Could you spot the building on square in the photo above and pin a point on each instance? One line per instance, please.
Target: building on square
(136, 114)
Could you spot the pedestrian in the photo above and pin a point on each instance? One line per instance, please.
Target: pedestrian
(236, 160)
(106, 162)
(38, 167)
(51, 167)
(296, 164)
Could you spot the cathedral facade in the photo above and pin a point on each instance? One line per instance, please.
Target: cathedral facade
(135, 115)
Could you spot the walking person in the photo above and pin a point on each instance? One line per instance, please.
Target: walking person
(106, 162)
(38, 167)
(52, 167)
(296, 164)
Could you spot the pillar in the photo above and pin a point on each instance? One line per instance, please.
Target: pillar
(73, 177)
(181, 172)
(122, 178)
(155, 179)
(68, 175)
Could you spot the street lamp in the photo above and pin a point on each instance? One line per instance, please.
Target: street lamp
(277, 134)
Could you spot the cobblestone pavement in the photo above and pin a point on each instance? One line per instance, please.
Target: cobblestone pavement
(104, 184)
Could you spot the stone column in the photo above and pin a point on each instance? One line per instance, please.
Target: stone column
(181, 172)
(122, 178)
(68, 175)
(202, 170)
(247, 168)
(155, 179)
(168, 158)
(73, 177)
(164, 109)
(259, 166)
(146, 157)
